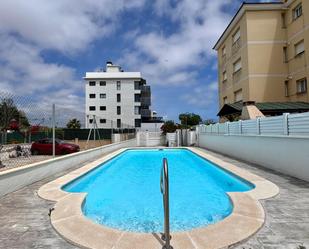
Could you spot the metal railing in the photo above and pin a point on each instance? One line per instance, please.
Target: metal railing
(164, 185)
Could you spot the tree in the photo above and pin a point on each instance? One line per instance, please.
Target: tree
(189, 119)
(10, 115)
(169, 127)
(208, 122)
(73, 124)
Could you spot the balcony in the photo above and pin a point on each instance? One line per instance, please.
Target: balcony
(145, 101)
(145, 113)
(145, 90)
(236, 46)
(145, 96)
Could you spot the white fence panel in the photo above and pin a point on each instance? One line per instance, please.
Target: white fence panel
(249, 127)
(234, 128)
(208, 129)
(287, 124)
(202, 128)
(271, 126)
(298, 124)
(222, 128)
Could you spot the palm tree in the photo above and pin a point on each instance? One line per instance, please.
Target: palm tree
(73, 124)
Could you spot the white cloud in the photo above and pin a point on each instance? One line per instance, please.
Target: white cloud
(177, 58)
(63, 25)
(28, 28)
(202, 96)
(26, 72)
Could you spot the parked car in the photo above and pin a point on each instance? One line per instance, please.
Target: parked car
(45, 147)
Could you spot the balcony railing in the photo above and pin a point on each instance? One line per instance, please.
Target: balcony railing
(145, 101)
(145, 113)
(146, 89)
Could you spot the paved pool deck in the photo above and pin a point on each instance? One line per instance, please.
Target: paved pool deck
(24, 220)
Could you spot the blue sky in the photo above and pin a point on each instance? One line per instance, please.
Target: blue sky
(47, 46)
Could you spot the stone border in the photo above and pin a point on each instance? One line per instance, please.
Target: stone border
(246, 219)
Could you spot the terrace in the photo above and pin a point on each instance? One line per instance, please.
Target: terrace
(27, 225)
(273, 214)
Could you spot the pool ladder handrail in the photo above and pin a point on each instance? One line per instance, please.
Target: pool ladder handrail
(164, 185)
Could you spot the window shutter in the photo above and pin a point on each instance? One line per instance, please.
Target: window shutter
(299, 47)
(236, 36)
(237, 66)
(224, 76)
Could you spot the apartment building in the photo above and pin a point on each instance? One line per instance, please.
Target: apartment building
(116, 99)
(263, 54)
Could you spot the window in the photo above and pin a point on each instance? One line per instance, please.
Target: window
(102, 108)
(137, 110)
(102, 95)
(297, 12)
(283, 20)
(237, 66)
(301, 85)
(45, 141)
(137, 85)
(102, 83)
(91, 95)
(224, 76)
(118, 97)
(137, 123)
(223, 51)
(225, 100)
(299, 48)
(90, 121)
(285, 55)
(102, 121)
(91, 83)
(118, 123)
(137, 97)
(118, 110)
(118, 85)
(286, 88)
(236, 36)
(238, 96)
(91, 108)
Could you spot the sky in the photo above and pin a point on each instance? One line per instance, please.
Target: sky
(47, 46)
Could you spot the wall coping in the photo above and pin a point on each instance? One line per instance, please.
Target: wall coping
(57, 159)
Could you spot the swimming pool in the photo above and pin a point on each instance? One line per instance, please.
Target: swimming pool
(124, 192)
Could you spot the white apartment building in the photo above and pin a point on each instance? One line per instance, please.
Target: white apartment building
(116, 99)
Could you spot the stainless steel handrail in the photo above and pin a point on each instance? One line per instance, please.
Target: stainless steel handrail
(164, 185)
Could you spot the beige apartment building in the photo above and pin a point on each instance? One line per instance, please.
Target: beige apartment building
(263, 54)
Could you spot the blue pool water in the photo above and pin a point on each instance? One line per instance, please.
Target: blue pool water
(124, 193)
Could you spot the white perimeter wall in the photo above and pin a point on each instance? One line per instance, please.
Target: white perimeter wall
(286, 154)
(151, 127)
(149, 139)
(15, 179)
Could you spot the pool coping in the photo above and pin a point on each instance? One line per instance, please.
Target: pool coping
(247, 218)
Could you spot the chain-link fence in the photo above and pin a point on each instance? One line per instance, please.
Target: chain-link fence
(27, 129)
